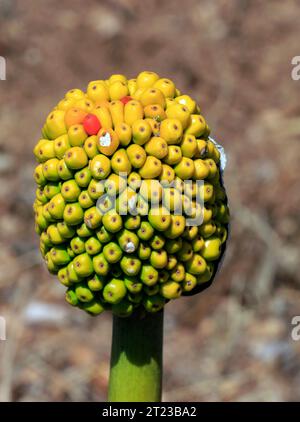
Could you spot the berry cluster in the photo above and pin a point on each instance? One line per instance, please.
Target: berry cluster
(125, 169)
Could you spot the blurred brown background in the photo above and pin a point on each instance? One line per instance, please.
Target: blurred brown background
(233, 342)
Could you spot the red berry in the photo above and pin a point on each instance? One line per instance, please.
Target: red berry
(91, 124)
(126, 99)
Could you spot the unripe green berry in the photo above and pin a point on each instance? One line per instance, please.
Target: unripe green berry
(112, 252)
(77, 245)
(51, 189)
(170, 290)
(59, 255)
(92, 217)
(133, 285)
(149, 275)
(85, 200)
(73, 214)
(130, 265)
(153, 304)
(83, 293)
(70, 191)
(83, 177)
(95, 307)
(101, 266)
(96, 283)
(83, 265)
(114, 291)
(71, 297)
(93, 246)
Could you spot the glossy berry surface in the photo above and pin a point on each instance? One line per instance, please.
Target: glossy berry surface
(130, 206)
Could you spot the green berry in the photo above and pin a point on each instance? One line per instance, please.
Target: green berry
(71, 297)
(114, 291)
(104, 235)
(66, 231)
(178, 273)
(189, 282)
(44, 150)
(50, 170)
(83, 177)
(128, 240)
(163, 276)
(170, 290)
(157, 241)
(159, 218)
(112, 252)
(207, 275)
(149, 275)
(196, 265)
(40, 195)
(90, 146)
(190, 232)
(62, 275)
(70, 191)
(63, 170)
(77, 245)
(54, 235)
(186, 252)
(83, 293)
(83, 265)
(172, 261)
(77, 135)
(52, 268)
(112, 221)
(73, 214)
(144, 251)
(72, 274)
(100, 166)
(93, 246)
(92, 217)
(57, 206)
(146, 231)
(101, 266)
(96, 188)
(208, 229)
(211, 249)
(159, 259)
(84, 231)
(153, 303)
(151, 290)
(76, 158)
(45, 239)
(61, 145)
(39, 175)
(105, 204)
(85, 200)
(71, 252)
(95, 307)
(130, 265)
(197, 243)
(173, 245)
(51, 189)
(59, 255)
(96, 283)
(132, 222)
(133, 285)
(135, 298)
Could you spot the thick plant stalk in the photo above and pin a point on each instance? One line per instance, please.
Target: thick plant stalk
(136, 359)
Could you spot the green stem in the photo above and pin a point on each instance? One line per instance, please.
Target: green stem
(136, 359)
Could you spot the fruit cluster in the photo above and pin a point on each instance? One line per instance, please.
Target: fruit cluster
(113, 201)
